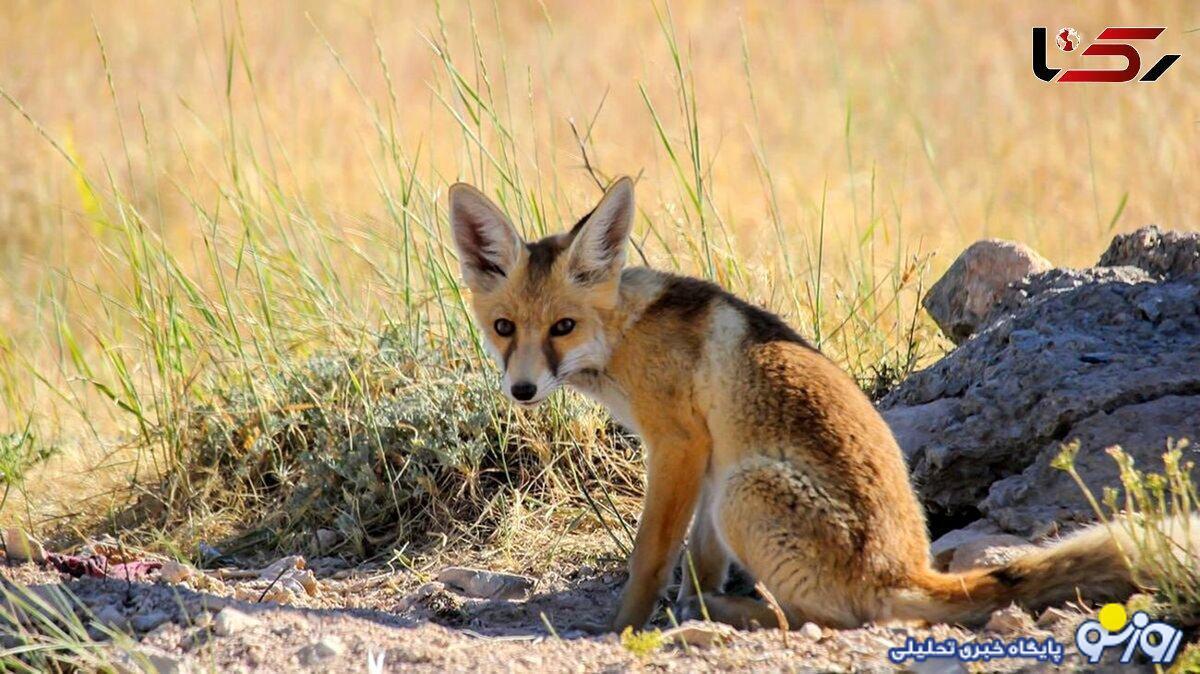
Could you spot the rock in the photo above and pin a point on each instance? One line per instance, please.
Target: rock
(147, 621)
(1064, 355)
(321, 651)
(162, 663)
(1052, 617)
(230, 621)
(919, 425)
(1042, 494)
(324, 540)
(203, 581)
(942, 550)
(1010, 621)
(111, 616)
(700, 634)
(279, 566)
(1053, 281)
(285, 594)
(21, 547)
(485, 584)
(419, 595)
(1163, 254)
(300, 582)
(175, 572)
(964, 296)
(146, 660)
(810, 631)
(987, 552)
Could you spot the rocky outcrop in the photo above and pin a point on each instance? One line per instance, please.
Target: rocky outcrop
(1040, 494)
(1106, 356)
(1160, 253)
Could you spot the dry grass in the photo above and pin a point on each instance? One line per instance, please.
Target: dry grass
(196, 198)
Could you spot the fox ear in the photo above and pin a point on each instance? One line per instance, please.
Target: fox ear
(488, 245)
(598, 241)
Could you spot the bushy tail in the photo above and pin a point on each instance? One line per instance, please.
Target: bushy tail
(1092, 564)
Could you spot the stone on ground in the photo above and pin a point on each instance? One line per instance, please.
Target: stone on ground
(482, 584)
(231, 621)
(700, 634)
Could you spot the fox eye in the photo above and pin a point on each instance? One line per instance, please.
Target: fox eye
(504, 327)
(562, 327)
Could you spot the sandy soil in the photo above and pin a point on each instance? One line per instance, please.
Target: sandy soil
(356, 616)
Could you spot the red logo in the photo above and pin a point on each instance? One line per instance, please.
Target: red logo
(1110, 42)
(1067, 39)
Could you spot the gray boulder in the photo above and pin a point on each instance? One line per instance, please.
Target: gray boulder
(1021, 503)
(1105, 356)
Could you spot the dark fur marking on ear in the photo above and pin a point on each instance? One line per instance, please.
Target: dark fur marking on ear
(579, 225)
(590, 277)
(486, 266)
(611, 241)
(614, 237)
(476, 244)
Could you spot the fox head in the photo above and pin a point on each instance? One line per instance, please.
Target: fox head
(542, 306)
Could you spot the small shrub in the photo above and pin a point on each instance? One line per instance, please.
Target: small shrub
(642, 644)
(1156, 512)
(384, 448)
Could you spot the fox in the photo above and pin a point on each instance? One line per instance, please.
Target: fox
(759, 450)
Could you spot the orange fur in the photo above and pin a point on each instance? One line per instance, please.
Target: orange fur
(769, 450)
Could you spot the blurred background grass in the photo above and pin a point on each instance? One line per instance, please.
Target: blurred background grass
(198, 198)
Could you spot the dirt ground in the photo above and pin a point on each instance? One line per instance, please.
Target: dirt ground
(356, 618)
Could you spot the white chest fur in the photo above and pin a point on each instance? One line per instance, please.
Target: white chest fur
(606, 392)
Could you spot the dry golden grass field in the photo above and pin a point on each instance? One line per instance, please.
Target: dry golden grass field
(198, 197)
(231, 314)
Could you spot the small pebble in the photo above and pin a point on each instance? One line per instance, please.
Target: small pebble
(145, 622)
(325, 649)
(231, 621)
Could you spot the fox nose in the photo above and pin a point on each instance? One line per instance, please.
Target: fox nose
(524, 391)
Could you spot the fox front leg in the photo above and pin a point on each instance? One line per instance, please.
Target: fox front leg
(705, 561)
(675, 471)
